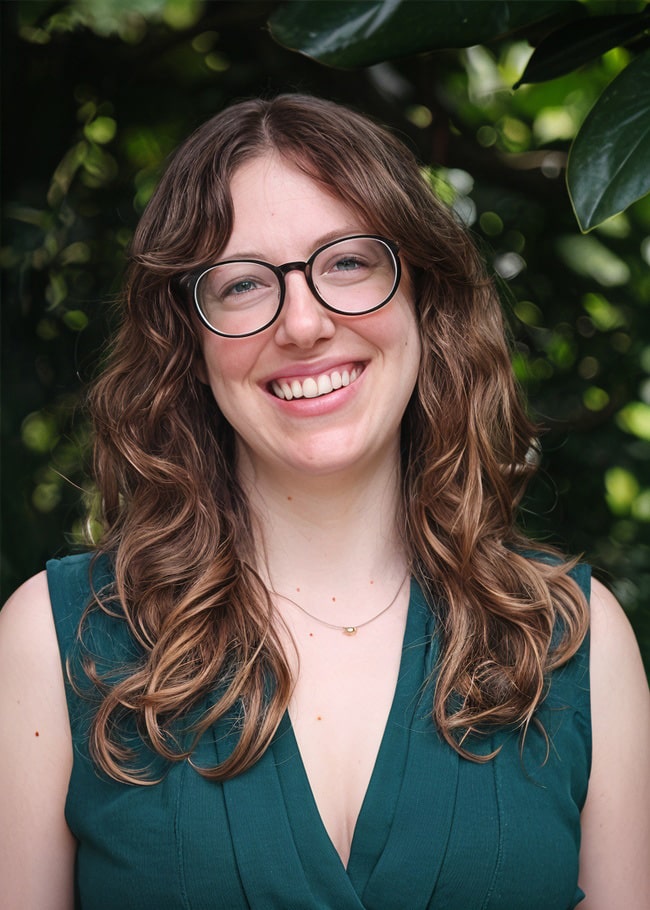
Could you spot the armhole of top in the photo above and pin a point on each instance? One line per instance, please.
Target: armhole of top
(581, 574)
(69, 586)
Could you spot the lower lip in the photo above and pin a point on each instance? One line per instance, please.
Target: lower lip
(322, 404)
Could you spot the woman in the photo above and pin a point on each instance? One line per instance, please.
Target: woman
(313, 663)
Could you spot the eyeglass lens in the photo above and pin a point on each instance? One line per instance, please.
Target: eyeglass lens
(352, 276)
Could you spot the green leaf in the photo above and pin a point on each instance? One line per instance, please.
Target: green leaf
(576, 43)
(608, 166)
(365, 32)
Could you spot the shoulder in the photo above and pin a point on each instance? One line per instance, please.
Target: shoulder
(608, 619)
(614, 864)
(616, 669)
(26, 622)
(30, 665)
(36, 756)
(42, 617)
(620, 701)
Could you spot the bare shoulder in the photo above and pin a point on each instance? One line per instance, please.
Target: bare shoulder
(32, 691)
(29, 654)
(620, 699)
(27, 612)
(619, 686)
(36, 847)
(610, 626)
(615, 854)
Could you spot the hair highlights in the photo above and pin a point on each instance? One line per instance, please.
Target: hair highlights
(177, 523)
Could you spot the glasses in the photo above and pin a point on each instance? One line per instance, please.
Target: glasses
(352, 276)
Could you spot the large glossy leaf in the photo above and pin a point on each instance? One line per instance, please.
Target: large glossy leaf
(568, 47)
(351, 33)
(609, 161)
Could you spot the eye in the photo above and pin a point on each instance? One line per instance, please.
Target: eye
(343, 265)
(346, 264)
(243, 286)
(237, 285)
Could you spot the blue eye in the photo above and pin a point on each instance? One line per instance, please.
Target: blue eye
(348, 264)
(241, 287)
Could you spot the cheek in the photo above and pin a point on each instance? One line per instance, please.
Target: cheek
(406, 329)
(411, 353)
(200, 370)
(226, 363)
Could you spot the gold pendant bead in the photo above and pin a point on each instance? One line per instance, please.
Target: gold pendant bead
(347, 630)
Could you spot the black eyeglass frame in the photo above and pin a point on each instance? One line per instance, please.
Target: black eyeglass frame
(280, 271)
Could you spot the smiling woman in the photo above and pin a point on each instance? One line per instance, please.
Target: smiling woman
(358, 332)
(240, 702)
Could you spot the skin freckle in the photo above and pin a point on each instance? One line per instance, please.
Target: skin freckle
(36, 733)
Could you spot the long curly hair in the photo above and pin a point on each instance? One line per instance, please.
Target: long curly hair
(177, 522)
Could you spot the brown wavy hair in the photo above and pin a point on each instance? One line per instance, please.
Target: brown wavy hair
(177, 523)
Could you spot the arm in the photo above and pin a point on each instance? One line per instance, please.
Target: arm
(37, 850)
(615, 853)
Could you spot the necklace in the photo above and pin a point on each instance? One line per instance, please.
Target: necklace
(347, 630)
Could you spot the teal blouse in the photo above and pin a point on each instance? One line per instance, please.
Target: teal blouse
(435, 831)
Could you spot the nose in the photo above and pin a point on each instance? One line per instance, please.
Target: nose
(303, 321)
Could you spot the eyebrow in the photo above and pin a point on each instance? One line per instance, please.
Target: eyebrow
(339, 234)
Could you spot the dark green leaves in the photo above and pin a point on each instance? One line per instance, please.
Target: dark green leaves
(609, 162)
(365, 32)
(580, 41)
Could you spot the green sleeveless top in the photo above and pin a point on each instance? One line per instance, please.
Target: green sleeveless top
(435, 831)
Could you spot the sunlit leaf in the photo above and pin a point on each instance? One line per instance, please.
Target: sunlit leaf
(604, 315)
(39, 432)
(101, 130)
(578, 42)
(641, 506)
(181, 14)
(635, 418)
(46, 497)
(589, 257)
(76, 320)
(365, 32)
(595, 398)
(621, 488)
(608, 163)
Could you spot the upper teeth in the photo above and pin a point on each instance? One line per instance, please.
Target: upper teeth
(314, 386)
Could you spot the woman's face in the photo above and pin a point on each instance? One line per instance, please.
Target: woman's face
(281, 215)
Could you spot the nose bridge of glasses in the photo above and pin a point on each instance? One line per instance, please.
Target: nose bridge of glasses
(294, 267)
(305, 268)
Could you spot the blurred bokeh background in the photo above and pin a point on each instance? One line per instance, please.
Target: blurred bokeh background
(96, 93)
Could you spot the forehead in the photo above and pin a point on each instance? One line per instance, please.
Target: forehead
(276, 206)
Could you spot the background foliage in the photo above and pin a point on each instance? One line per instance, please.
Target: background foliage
(98, 92)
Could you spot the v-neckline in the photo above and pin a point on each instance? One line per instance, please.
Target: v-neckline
(381, 795)
(284, 854)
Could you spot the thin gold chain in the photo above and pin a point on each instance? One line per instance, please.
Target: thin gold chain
(347, 630)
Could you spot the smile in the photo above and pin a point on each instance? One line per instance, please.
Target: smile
(314, 386)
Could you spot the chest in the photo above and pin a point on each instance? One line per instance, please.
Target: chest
(433, 831)
(339, 711)
(430, 835)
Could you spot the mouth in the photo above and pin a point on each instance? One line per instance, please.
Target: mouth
(315, 386)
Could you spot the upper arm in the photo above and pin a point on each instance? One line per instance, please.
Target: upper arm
(36, 847)
(615, 852)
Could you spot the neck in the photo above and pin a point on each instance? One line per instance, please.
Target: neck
(322, 538)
